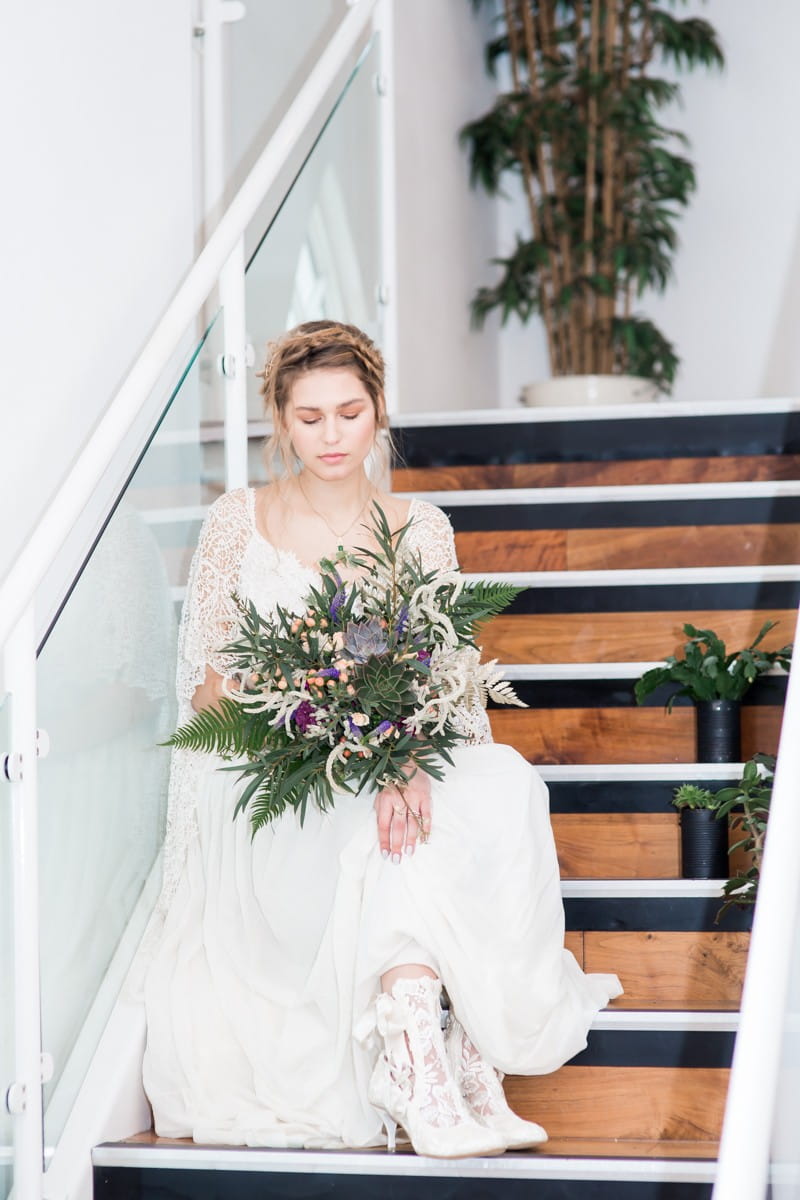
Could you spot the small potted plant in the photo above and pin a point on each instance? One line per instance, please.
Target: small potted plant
(704, 836)
(747, 802)
(716, 680)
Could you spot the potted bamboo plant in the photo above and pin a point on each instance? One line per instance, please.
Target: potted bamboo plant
(604, 180)
(716, 680)
(704, 837)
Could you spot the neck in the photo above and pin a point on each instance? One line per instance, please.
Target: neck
(337, 498)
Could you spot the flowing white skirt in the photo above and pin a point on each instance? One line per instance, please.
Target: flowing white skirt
(260, 995)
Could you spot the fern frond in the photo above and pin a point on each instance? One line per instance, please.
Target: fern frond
(219, 730)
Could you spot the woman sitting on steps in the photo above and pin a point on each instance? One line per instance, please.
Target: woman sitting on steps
(293, 992)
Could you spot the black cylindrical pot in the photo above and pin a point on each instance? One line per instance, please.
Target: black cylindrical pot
(704, 844)
(719, 737)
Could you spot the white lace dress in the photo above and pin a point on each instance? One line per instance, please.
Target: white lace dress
(261, 989)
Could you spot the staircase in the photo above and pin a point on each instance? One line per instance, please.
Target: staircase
(622, 525)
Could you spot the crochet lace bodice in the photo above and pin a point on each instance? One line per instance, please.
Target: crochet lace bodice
(233, 557)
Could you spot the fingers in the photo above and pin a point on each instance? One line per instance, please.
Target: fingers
(383, 811)
(404, 818)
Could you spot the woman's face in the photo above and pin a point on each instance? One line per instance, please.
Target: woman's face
(330, 419)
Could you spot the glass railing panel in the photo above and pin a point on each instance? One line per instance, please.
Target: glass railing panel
(6, 966)
(321, 256)
(106, 699)
(269, 53)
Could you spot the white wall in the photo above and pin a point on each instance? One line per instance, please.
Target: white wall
(445, 231)
(733, 309)
(96, 220)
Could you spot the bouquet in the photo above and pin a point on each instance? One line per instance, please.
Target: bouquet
(361, 683)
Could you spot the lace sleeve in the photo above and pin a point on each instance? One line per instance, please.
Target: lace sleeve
(432, 535)
(209, 618)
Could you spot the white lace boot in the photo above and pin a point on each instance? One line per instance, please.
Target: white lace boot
(481, 1088)
(412, 1084)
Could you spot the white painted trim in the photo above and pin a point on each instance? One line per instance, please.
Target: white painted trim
(569, 415)
(641, 889)
(590, 670)
(644, 493)
(658, 1020)
(494, 497)
(346, 1162)
(641, 576)
(637, 772)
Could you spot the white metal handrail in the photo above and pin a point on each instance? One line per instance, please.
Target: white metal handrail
(749, 1111)
(263, 189)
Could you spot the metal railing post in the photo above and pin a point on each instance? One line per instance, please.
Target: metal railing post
(24, 1097)
(233, 365)
(387, 291)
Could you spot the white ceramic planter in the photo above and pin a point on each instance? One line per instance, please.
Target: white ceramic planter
(589, 389)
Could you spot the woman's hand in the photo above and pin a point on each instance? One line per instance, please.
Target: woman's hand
(404, 814)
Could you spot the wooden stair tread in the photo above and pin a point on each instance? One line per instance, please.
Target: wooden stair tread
(622, 735)
(667, 970)
(619, 636)
(628, 548)
(637, 845)
(725, 469)
(561, 1147)
(685, 1103)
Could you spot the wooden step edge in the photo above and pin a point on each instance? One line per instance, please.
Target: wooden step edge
(172, 1154)
(647, 1020)
(535, 672)
(650, 889)
(641, 576)
(637, 772)
(627, 493)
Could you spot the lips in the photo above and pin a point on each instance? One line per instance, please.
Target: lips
(332, 458)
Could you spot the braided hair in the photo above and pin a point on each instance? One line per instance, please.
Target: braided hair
(312, 346)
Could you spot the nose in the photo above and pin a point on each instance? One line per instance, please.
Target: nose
(331, 429)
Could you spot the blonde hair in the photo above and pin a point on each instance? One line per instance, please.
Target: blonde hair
(313, 346)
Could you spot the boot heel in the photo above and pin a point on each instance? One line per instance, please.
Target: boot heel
(391, 1132)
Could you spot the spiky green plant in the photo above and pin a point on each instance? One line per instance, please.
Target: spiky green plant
(604, 180)
(689, 795)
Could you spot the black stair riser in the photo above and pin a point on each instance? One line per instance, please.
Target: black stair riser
(130, 1183)
(623, 796)
(656, 1048)
(623, 514)
(651, 597)
(619, 693)
(598, 441)
(654, 914)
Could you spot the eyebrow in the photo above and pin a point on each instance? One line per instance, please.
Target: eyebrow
(344, 404)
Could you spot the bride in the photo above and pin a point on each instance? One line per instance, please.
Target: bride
(294, 993)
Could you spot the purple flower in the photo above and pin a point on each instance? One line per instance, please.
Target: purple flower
(384, 727)
(329, 673)
(336, 603)
(303, 715)
(354, 729)
(402, 620)
(424, 656)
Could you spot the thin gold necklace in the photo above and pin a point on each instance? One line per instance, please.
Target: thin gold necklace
(325, 520)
